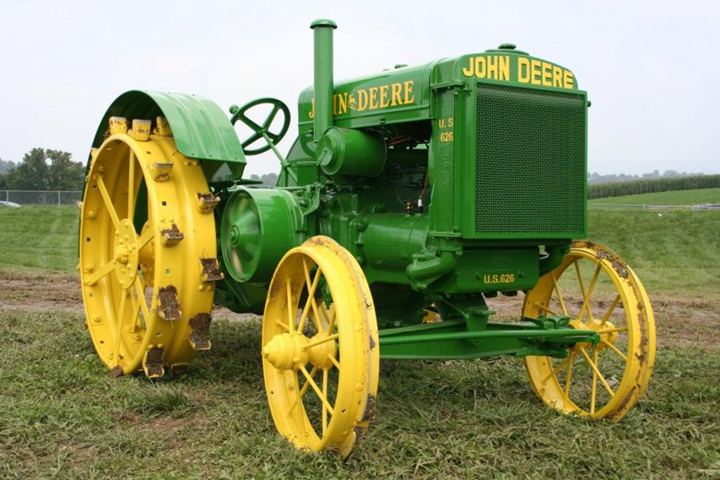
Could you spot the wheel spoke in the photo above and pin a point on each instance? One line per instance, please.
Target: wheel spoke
(334, 361)
(317, 390)
(140, 291)
(559, 295)
(281, 325)
(119, 324)
(331, 322)
(108, 202)
(614, 349)
(579, 277)
(588, 294)
(131, 186)
(568, 378)
(101, 272)
(302, 391)
(312, 286)
(613, 330)
(145, 238)
(559, 367)
(547, 309)
(324, 391)
(593, 393)
(288, 297)
(597, 371)
(606, 317)
(320, 341)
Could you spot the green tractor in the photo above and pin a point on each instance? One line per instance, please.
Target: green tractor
(408, 202)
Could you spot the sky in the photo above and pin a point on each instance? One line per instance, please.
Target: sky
(651, 69)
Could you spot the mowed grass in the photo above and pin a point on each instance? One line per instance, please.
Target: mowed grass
(37, 236)
(681, 197)
(673, 252)
(62, 415)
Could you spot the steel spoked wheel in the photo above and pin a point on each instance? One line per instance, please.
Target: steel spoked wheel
(146, 253)
(599, 292)
(320, 348)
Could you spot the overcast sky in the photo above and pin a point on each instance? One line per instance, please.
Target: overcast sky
(651, 68)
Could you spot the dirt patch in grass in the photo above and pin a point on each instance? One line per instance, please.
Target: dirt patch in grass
(681, 321)
(40, 291)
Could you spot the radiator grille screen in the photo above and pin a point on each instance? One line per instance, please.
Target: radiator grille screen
(531, 169)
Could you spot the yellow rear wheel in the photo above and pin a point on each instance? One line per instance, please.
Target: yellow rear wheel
(147, 253)
(320, 348)
(598, 291)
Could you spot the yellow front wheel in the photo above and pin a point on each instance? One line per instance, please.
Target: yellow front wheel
(320, 348)
(599, 292)
(147, 252)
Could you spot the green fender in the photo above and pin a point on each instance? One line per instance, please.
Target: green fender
(200, 128)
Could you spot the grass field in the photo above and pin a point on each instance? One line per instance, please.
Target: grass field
(62, 415)
(680, 197)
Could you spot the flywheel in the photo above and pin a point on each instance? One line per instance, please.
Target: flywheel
(147, 251)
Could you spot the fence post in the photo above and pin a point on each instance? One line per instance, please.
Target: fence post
(58, 197)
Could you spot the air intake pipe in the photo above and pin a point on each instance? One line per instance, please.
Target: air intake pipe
(323, 84)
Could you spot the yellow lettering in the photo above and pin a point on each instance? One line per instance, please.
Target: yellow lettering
(451, 122)
(535, 72)
(468, 71)
(409, 97)
(557, 76)
(342, 103)
(568, 80)
(362, 100)
(396, 94)
(546, 74)
(373, 97)
(523, 70)
(384, 102)
(480, 67)
(311, 113)
(504, 67)
(492, 68)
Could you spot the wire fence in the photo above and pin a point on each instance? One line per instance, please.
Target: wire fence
(40, 197)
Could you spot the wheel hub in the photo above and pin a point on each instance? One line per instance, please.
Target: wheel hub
(125, 248)
(606, 338)
(288, 351)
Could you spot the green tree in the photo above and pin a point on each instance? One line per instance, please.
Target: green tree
(31, 173)
(49, 169)
(64, 174)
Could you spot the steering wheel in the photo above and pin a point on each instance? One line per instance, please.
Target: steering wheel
(262, 131)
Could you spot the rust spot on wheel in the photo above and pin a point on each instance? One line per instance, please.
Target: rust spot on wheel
(200, 334)
(169, 304)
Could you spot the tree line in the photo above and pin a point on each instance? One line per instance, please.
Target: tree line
(42, 169)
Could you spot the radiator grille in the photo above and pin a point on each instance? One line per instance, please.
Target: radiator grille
(531, 168)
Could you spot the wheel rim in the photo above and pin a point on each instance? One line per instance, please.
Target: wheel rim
(597, 291)
(142, 286)
(320, 348)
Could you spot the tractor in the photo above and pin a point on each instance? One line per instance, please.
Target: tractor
(411, 201)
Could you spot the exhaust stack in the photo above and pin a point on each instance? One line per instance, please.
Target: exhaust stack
(323, 83)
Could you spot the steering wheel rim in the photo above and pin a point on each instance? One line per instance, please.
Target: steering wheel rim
(262, 131)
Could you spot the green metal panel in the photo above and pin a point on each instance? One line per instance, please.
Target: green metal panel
(393, 96)
(200, 128)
